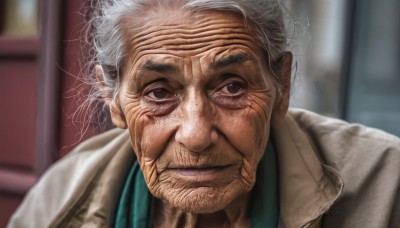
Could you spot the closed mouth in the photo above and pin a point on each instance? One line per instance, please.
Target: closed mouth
(196, 171)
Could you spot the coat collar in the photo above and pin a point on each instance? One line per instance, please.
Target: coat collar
(307, 187)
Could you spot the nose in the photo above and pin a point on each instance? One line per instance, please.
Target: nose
(196, 131)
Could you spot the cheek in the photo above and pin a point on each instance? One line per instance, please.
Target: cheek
(156, 133)
(149, 137)
(149, 134)
(248, 129)
(136, 118)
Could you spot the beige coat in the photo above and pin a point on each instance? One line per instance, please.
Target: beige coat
(332, 174)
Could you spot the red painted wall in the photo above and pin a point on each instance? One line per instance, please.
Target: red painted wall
(50, 62)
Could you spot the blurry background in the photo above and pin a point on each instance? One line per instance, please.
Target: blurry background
(348, 55)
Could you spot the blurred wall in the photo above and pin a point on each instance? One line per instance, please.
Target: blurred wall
(318, 44)
(40, 60)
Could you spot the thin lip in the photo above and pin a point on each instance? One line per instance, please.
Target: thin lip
(199, 167)
(205, 172)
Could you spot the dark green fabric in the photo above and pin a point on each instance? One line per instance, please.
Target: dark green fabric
(135, 202)
(264, 209)
(134, 208)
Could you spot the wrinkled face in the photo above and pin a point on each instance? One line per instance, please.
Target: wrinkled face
(197, 98)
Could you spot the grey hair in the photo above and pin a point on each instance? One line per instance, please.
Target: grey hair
(264, 17)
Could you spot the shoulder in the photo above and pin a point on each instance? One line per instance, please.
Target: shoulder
(338, 138)
(327, 125)
(345, 145)
(367, 159)
(61, 184)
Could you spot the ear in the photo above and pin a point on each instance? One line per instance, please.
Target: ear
(117, 115)
(281, 105)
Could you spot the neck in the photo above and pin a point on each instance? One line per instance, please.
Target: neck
(234, 215)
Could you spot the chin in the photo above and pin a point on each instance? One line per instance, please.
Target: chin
(203, 200)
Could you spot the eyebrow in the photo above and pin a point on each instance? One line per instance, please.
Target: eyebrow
(230, 60)
(150, 65)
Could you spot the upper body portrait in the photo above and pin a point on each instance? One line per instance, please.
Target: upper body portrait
(199, 92)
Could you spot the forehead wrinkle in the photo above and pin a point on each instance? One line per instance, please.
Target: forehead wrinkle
(137, 30)
(194, 28)
(159, 35)
(187, 35)
(199, 26)
(185, 39)
(205, 30)
(196, 49)
(175, 38)
(191, 47)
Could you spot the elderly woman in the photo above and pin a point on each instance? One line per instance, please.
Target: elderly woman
(202, 88)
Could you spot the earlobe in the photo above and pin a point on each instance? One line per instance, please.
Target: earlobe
(283, 91)
(117, 115)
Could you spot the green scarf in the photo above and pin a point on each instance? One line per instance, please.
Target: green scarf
(135, 205)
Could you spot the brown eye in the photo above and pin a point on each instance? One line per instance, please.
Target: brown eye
(160, 94)
(233, 88)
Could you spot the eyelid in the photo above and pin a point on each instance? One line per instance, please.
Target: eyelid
(159, 106)
(232, 78)
(230, 100)
(229, 94)
(158, 83)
